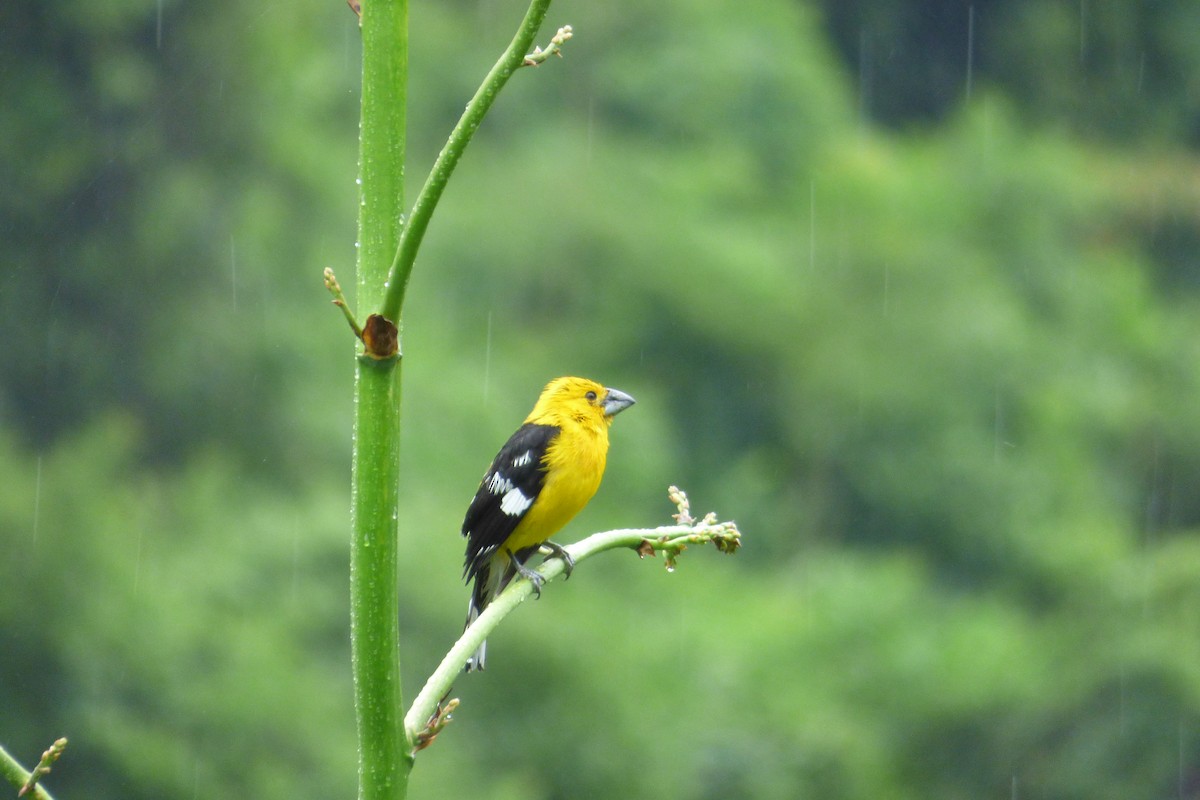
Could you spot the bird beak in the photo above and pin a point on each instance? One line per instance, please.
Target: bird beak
(616, 401)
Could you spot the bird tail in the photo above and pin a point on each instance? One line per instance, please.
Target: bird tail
(486, 587)
(478, 659)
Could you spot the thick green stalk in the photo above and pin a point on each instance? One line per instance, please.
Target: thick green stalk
(448, 158)
(384, 761)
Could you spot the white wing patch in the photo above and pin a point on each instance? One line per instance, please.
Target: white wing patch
(523, 459)
(515, 502)
(498, 484)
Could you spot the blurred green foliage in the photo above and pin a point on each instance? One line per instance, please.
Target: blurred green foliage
(944, 376)
(1105, 69)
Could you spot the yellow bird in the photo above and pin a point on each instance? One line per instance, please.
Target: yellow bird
(543, 475)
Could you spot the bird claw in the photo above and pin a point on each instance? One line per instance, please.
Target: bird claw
(536, 578)
(531, 576)
(558, 551)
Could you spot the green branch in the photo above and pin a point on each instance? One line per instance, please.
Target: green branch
(427, 716)
(516, 56)
(384, 763)
(27, 782)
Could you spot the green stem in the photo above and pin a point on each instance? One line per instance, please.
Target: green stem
(670, 539)
(381, 146)
(448, 158)
(384, 762)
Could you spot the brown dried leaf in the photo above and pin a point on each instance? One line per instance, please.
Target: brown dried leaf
(381, 337)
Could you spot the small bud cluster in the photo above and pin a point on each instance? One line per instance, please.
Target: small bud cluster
(555, 49)
(725, 536)
(43, 768)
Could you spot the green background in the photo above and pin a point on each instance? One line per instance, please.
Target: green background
(909, 290)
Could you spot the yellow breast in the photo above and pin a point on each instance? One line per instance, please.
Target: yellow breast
(574, 464)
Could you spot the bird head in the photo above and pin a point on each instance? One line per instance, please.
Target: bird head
(579, 398)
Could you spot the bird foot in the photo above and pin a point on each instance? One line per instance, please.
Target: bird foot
(529, 575)
(558, 551)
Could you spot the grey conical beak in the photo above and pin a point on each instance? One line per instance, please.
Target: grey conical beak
(616, 401)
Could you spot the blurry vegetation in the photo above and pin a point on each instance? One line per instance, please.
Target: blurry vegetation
(937, 354)
(1106, 69)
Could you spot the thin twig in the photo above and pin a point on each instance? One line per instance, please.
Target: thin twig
(27, 782)
(339, 300)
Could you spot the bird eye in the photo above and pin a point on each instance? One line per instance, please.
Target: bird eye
(591, 396)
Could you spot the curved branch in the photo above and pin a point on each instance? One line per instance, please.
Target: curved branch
(425, 713)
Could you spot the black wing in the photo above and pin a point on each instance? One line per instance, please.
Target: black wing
(508, 489)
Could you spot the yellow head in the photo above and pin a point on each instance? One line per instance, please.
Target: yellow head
(578, 399)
